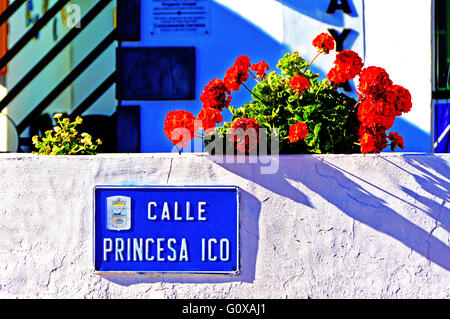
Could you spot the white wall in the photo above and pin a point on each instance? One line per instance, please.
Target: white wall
(321, 226)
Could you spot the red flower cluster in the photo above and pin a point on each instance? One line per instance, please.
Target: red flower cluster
(348, 65)
(245, 135)
(374, 82)
(324, 42)
(381, 103)
(179, 127)
(396, 139)
(209, 118)
(238, 73)
(215, 95)
(372, 141)
(297, 131)
(299, 83)
(377, 113)
(260, 69)
(402, 99)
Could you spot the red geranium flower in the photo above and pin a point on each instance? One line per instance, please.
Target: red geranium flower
(245, 135)
(299, 82)
(260, 69)
(348, 65)
(389, 97)
(214, 95)
(209, 117)
(242, 61)
(335, 76)
(374, 82)
(238, 73)
(297, 131)
(367, 143)
(381, 103)
(377, 113)
(402, 99)
(372, 140)
(179, 127)
(396, 139)
(324, 42)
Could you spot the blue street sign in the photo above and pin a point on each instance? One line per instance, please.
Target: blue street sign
(166, 229)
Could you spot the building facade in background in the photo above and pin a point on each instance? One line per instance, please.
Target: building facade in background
(199, 39)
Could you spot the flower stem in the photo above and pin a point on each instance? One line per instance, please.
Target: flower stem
(359, 101)
(321, 85)
(254, 94)
(177, 149)
(256, 79)
(312, 61)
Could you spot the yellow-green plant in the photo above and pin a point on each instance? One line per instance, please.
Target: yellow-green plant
(64, 139)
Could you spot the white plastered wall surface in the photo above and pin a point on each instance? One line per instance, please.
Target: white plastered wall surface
(319, 226)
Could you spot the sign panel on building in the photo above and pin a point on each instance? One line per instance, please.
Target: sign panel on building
(166, 229)
(179, 17)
